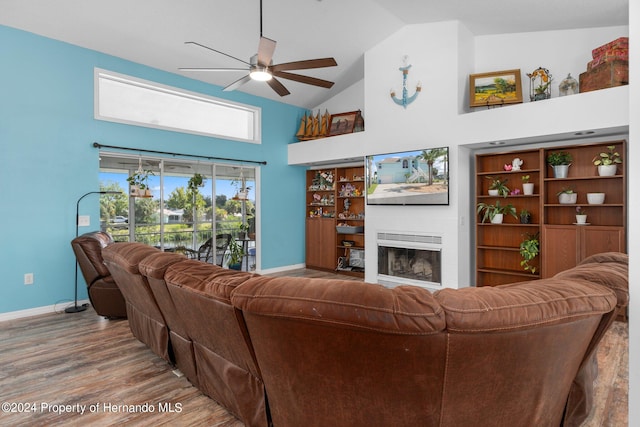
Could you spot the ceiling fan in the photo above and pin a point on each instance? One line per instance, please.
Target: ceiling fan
(261, 68)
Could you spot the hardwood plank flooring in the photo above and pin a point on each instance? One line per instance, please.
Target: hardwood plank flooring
(85, 360)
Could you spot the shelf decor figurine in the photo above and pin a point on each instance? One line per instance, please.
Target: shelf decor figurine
(568, 86)
(406, 99)
(539, 84)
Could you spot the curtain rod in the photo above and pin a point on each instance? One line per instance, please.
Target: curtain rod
(98, 145)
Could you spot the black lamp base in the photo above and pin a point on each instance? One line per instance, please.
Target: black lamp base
(75, 309)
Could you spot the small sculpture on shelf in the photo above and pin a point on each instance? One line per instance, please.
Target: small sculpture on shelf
(349, 190)
(516, 164)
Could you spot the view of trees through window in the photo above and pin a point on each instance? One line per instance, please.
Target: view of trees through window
(181, 212)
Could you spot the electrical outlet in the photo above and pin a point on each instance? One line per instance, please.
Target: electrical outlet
(28, 279)
(84, 220)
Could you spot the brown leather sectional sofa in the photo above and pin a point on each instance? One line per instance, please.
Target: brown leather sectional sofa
(315, 352)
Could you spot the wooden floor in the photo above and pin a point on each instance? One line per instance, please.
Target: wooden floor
(54, 366)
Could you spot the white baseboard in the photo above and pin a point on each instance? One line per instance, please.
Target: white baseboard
(281, 269)
(56, 308)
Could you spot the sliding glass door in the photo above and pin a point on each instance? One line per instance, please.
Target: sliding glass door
(191, 203)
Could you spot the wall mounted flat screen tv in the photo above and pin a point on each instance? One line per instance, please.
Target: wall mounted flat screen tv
(418, 177)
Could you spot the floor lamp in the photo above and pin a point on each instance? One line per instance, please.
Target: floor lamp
(76, 308)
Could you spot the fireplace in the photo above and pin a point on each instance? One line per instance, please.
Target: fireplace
(410, 259)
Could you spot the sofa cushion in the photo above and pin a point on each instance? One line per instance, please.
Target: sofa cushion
(127, 255)
(522, 305)
(608, 269)
(402, 310)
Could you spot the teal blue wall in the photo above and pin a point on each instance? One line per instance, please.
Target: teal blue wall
(47, 161)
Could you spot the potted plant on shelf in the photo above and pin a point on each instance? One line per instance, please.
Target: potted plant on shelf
(529, 249)
(567, 196)
(139, 183)
(525, 217)
(527, 187)
(560, 161)
(495, 213)
(498, 186)
(607, 162)
(235, 255)
(581, 215)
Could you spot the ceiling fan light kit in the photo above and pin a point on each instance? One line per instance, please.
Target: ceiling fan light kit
(260, 74)
(261, 68)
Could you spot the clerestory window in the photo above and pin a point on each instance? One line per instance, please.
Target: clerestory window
(125, 99)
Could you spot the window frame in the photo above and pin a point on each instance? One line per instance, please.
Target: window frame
(179, 92)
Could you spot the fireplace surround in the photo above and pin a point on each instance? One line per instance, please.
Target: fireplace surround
(410, 258)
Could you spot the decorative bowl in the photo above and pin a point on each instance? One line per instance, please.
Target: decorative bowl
(595, 198)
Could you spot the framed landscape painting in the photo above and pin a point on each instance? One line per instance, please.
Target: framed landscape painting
(495, 88)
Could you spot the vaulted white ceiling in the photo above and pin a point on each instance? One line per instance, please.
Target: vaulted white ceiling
(153, 32)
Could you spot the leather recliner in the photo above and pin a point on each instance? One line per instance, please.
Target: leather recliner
(226, 368)
(146, 321)
(153, 268)
(104, 294)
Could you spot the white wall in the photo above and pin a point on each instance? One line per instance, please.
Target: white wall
(350, 99)
(442, 56)
(634, 211)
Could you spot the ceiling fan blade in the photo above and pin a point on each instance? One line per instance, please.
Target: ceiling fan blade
(305, 65)
(211, 69)
(265, 51)
(217, 51)
(304, 79)
(278, 87)
(235, 85)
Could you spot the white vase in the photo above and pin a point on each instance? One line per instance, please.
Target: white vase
(607, 170)
(595, 198)
(567, 198)
(561, 171)
(497, 219)
(581, 219)
(527, 188)
(494, 192)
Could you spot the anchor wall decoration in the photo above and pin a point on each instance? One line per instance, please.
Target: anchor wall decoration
(405, 100)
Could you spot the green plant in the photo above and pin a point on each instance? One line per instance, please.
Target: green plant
(559, 158)
(525, 178)
(529, 249)
(197, 180)
(499, 184)
(611, 157)
(565, 190)
(543, 87)
(489, 211)
(140, 178)
(525, 217)
(235, 253)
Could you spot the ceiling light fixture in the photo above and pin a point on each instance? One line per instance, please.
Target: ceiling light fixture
(260, 74)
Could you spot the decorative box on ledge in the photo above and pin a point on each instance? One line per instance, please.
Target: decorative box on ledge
(609, 67)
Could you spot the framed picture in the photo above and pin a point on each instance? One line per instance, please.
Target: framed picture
(342, 123)
(496, 88)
